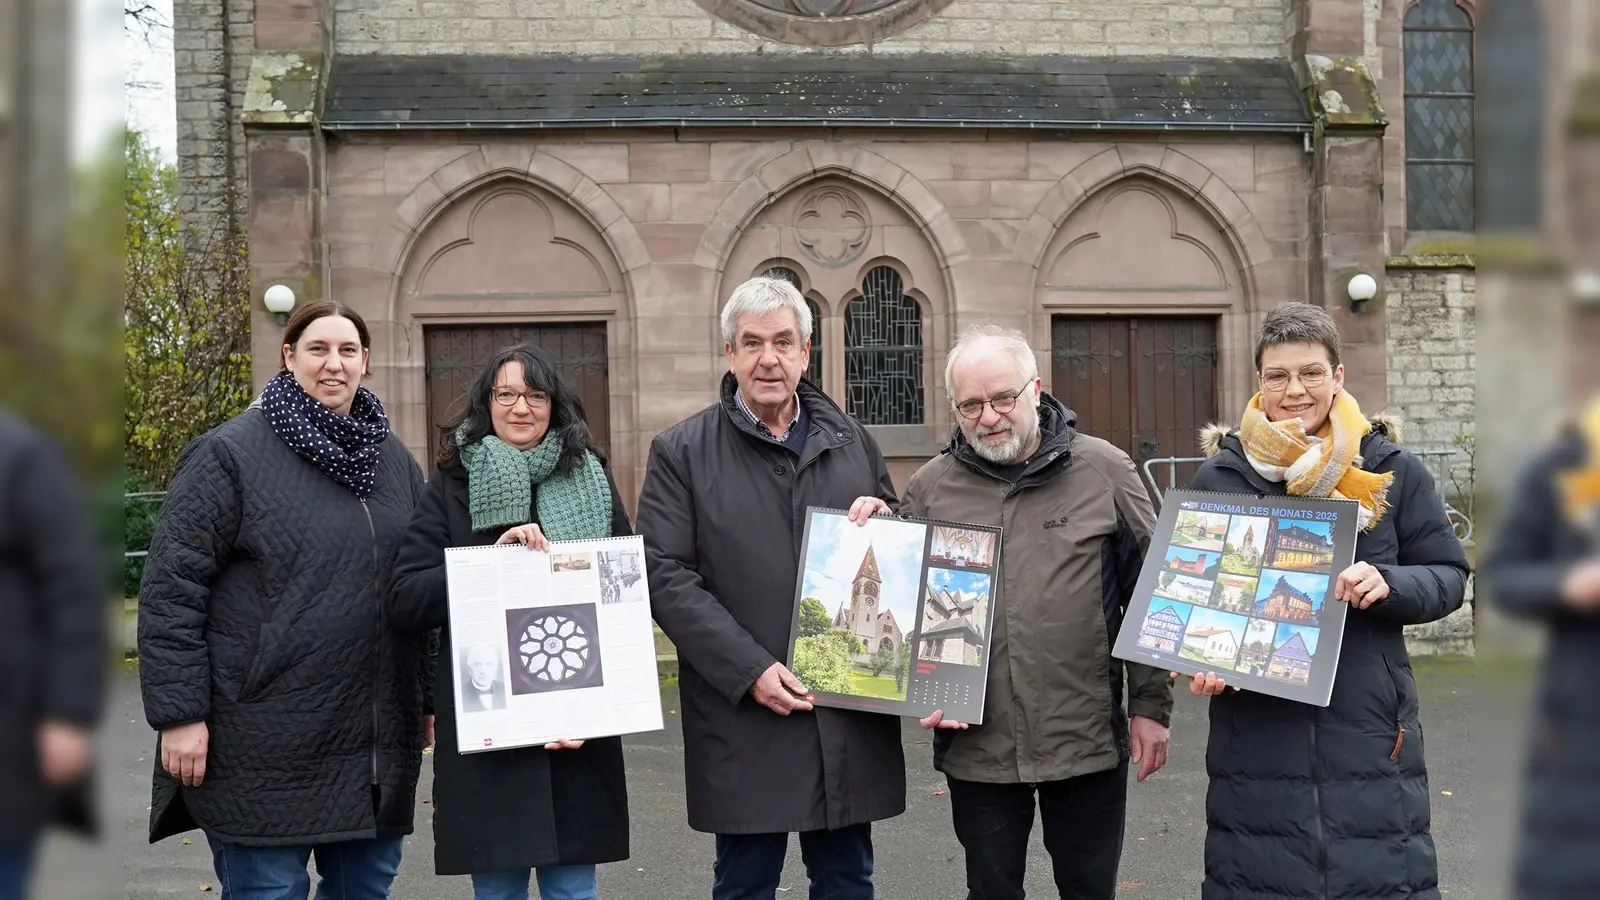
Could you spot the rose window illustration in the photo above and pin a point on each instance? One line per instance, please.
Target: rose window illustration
(553, 648)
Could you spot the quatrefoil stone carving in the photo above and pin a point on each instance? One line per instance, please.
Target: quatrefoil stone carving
(832, 226)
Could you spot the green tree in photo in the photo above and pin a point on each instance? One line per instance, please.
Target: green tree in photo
(813, 618)
(822, 661)
(1166, 579)
(882, 661)
(902, 667)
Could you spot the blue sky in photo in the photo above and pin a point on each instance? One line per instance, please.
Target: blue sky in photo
(1324, 529)
(1190, 554)
(1182, 609)
(1307, 634)
(834, 556)
(1211, 618)
(1314, 585)
(970, 583)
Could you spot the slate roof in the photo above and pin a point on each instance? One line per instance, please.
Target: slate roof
(458, 92)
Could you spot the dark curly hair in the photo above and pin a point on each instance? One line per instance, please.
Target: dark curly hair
(567, 421)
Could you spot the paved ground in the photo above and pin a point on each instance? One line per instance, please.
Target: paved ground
(918, 857)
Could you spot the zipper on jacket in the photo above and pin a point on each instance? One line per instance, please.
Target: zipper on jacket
(1399, 724)
(378, 643)
(1316, 797)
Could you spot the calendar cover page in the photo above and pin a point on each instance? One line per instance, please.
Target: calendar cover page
(893, 616)
(1243, 586)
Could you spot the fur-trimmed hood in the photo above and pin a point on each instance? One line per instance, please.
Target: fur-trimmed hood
(1211, 436)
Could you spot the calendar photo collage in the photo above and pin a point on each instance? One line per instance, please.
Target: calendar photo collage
(894, 616)
(1244, 588)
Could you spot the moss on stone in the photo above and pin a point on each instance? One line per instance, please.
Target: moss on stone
(1583, 118)
(284, 89)
(1446, 253)
(1344, 94)
(1521, 253)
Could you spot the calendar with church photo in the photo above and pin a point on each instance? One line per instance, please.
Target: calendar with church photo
(893, 616)
(1243, 586)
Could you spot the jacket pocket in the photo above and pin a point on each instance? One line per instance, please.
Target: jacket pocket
(1395, 709)
(257, 670)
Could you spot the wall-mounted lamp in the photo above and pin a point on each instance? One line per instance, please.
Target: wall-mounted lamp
(279, 300)
(1362, 288)
(1586, 288)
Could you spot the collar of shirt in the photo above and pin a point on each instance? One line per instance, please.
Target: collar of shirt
(761, 426)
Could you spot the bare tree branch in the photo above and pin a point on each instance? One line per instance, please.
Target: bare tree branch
(144, 18)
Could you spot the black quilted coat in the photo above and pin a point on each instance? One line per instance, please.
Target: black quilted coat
(1531, 553)
(261, 614)
(1332, 803)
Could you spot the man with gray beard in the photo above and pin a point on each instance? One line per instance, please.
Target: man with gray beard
(1055, 728)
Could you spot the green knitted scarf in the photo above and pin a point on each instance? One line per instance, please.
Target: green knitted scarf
(572, 506)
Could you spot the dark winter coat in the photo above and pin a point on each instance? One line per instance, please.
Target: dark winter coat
(502, 809)
(722, 513)
(1532, 550)
(1077, 524)
(1332, 803)
(261, 614)
(54, 653)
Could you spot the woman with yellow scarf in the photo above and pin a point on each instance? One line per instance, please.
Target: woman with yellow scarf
(1330, 802)
(1543, 566)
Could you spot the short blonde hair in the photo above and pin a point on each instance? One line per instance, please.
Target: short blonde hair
(762, 295)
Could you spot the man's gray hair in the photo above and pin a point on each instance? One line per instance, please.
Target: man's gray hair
(761, 296)
(1293, 322)
(991, 337)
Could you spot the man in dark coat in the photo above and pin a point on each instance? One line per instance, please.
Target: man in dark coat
(722, 513)
(53, 650)
(1544, 566)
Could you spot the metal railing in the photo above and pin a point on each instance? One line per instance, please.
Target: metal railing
(148, 497)
(1172, 463)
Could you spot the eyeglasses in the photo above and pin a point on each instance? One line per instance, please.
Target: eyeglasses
(1002, 404)
(1277, 380)
(508, 397)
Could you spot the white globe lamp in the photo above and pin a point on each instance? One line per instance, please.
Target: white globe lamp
(279, 300)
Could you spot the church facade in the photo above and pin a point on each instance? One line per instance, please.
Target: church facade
(1131, 184)
(864, 617)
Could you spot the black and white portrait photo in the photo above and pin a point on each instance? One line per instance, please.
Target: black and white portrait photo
(621, 577)
(483, 684)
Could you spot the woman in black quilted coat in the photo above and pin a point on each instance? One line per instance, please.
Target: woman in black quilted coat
(290, 716)
(1309, 803)
(1544, 566)
(517, 467)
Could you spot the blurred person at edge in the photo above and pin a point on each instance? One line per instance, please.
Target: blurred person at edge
(518, 466)
(1544, 565)
(291, 719)
(54, 656)
(722, 513)
(1306, 801)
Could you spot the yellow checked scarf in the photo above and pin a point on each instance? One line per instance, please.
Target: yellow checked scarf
(1580, 487)
(1320, 465)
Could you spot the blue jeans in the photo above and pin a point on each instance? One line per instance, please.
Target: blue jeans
(555, 883)
(838, 862)
(350, 870)
(16, 868)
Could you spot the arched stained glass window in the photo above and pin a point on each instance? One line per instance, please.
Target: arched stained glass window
(883, 352)
(814, 368)
(1440, 189)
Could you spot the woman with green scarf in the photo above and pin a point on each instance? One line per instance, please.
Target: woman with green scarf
(518, 466)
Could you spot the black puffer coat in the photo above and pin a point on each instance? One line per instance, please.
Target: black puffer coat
(1332, 803)
(260, 613)
(1532, 549)
(504, 809)
(53, 648)
(722, 513)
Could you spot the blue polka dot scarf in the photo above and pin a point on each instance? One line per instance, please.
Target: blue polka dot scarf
(345, 447)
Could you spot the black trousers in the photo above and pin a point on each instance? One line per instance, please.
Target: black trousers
(1083, 821)
(838, 863)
